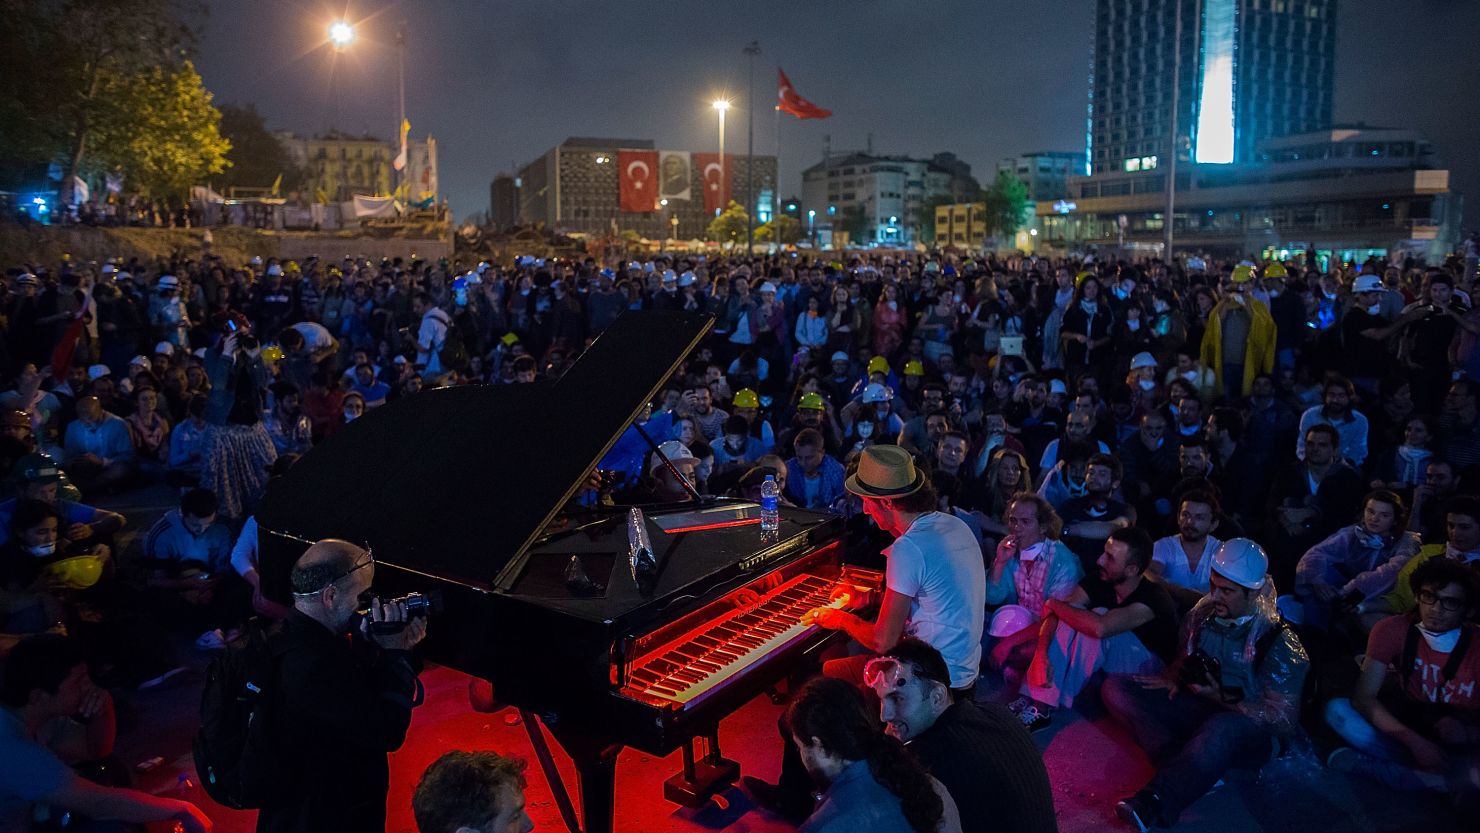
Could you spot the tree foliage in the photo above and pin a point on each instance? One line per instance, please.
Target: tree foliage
(729, 227)
(1004, 204)
(783, 228)
(182, 144)
(856, 225)
(257, 157)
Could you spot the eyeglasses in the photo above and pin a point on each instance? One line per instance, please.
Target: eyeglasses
(368, 562)
(1429, 597)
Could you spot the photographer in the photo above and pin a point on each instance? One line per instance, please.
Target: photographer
(236, 448)
(342, 703)
(1235, 687)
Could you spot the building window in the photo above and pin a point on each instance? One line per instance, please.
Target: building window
(1133, 164)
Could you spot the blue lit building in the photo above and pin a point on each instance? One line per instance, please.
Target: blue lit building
(1249, 70)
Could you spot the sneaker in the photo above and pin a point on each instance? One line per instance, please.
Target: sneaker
(161, 678)
(1019, 704)
(213, 640)
(1140, 811)
(1035, 716)
(776, 801)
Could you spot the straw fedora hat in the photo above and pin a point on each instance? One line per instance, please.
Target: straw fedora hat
(885, 471)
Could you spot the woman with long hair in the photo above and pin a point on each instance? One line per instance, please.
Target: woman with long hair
(1007, 475)
(843, 321)
(889, 320)
(1086, 331)
(236, 450)
(872, 783)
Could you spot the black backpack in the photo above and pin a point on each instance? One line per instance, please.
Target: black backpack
(233, 750)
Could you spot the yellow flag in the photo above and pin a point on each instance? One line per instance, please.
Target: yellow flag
(400, 161)
(277, 186)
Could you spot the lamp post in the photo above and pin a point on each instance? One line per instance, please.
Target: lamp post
(664, 202)
(751, 50)
(812, 226)
(721, 105)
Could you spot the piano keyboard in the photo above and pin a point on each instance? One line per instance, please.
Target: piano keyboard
(689, 669)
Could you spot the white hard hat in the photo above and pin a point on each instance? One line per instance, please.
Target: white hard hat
(274, 270)
(1242, 562)
(674, 450)
(686, 279)
(1143, 359)
(1009, 619)
(875, 392)
(840, 356)
(1367, 283)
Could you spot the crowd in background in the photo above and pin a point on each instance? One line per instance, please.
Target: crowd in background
(1093, 421)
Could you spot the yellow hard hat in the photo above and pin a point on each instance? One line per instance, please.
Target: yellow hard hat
(746, 398)
(272, 353)
(914, 367)
(1276, 270)
(1079, 278)
(290, 266)
(1243, 274)
(878, 364)
(76, 573)
(812, 402)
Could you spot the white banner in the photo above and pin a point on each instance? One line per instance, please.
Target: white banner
(675, 175)
(363, 206)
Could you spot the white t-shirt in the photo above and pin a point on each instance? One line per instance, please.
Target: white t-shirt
(315, 336)
(938, 563)
(1168, 553)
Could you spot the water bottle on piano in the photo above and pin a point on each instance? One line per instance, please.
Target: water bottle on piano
(770, 493)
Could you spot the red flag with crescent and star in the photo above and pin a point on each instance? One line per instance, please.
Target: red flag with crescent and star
(716, 179)
(637, 172)
(787, 100)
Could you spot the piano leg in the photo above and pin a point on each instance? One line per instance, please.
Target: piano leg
(596, 769)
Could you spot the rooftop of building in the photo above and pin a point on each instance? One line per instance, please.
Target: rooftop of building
(595, 142)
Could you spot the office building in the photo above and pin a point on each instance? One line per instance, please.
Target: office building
(503, 202)
(882, 198)
(1248, 70)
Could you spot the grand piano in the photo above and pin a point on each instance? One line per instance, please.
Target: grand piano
(471, 495)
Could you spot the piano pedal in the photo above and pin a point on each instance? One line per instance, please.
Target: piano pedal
(701, 779)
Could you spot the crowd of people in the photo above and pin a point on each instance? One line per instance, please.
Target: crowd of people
(1194, 491)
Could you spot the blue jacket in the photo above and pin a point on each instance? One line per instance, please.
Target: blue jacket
(855, 802)
(110, 440)
(169, 540)
(223, 394)
(831, 473)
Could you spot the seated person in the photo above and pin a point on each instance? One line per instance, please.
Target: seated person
(1424, 732)
(290, 429)
(1031, 566)
(370, 388)
(660, 485)
(1117, 622)
(1065, 481)
(1088, 519)
(1462, 544)
(814, 480)
(244, 551)
(471, 791)
(1224, 701)
(188, 569)
(186, 441)
(737, 447)
(1355, 564)
(46, 681)
(40, 479)
(986, 761)
(99, 452)
(1183, 562)
(842, 747)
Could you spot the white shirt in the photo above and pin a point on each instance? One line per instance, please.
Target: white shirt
(1169, 554)
(433, 332)
(938, 564)
(315, 336)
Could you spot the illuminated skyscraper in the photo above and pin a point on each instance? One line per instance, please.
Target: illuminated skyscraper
(1249, 70)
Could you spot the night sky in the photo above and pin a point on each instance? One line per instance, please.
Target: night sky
(499, 83)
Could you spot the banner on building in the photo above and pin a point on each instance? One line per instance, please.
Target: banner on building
(675, 170)
(421, 175)
(363, 206)
(716, 178)
(637, 172)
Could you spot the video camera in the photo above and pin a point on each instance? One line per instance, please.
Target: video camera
(418, 606)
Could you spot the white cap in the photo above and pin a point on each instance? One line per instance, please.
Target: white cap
(767, 286)
(274, 270)
(165, 348)
(1367, 283)
(840, 356)
(141, 361)
(875, 392)
(1143, 359)
(674, 451)
(98, 371)
(1057, 386)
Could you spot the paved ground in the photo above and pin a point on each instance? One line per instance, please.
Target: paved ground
(1090, 762)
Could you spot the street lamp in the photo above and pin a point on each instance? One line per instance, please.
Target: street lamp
(812, 225)
(664, 203)
(341, 34)
(721, 106)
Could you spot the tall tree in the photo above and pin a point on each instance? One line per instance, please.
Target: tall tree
(857, 226)
(729, 227)
(182, 144)
(782, 228)
(257, 157)
(1005, 203)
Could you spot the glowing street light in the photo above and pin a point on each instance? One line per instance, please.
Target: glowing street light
(721, 106)
(341, 34)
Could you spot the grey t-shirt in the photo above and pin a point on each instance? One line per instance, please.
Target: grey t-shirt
(1235, 335)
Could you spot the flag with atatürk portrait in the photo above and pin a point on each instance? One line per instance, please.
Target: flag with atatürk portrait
(637, 172)
(716, 179)
(674, 172)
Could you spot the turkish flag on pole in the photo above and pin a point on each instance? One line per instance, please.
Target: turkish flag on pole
(636, 171)
(716, 179)
(788, 101)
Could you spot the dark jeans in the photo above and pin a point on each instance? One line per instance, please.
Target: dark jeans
(1190, 740)
(1233, 381)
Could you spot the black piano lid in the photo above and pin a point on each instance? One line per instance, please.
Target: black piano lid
(458, 482)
